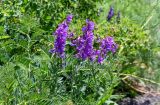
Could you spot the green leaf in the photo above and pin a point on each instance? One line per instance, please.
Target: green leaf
(1, 29)
(4, 37)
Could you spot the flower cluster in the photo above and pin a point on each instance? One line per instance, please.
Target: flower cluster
(107, 45)
(84, 44)
(61, 34)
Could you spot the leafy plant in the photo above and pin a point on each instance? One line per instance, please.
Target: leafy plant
(30, 75)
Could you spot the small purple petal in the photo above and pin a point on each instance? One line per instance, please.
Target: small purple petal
(51, 50)
(100, 59)
(69, 18)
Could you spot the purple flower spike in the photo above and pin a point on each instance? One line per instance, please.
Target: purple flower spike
(90, 25)
(107, 45)
(61, 34)
(110, 44)
(84, 44)
(110, 14)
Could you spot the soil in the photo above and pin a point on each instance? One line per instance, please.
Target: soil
(146, 99)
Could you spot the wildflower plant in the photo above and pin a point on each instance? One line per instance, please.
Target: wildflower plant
(85, 63)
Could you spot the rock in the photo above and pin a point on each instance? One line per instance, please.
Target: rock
(147, 99)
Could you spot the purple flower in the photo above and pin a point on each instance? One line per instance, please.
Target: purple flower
(100, 59)
(110, 14)
(70, 35)
(90, 25)
(110, 44)
(107, 45)
(84, 44)
(69, 18)
(61, 34)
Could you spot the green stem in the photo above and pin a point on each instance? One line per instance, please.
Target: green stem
(94, 74)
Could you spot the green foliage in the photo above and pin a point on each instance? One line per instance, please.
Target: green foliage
(144, 14)
(29, 74)
(47, 12)
(133, 41)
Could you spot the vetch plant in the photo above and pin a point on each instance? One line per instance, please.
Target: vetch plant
(84, 44)
(84, 65)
